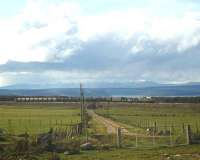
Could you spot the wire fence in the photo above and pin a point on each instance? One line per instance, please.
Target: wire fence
(34, 126)
(153, 138)
(126, 138)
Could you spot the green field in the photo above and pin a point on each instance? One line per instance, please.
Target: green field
(17, 119)
(174, 153)
(167, 122)
(145, 115)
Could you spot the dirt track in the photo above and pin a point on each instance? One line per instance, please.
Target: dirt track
(110, 125)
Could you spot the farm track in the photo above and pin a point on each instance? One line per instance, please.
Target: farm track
(111, 126)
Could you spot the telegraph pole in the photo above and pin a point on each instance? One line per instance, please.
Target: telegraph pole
(108, 112)
(83, 112)
(82, 104)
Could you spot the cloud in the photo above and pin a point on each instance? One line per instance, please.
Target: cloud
(22, 36)
(54, 39)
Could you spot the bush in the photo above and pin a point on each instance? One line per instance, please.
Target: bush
(196, 138)
(105, 147)
(72, 146)
(2, 135)
(54, 156)
(22, 146)
(2, 138)
(2, 131)
(1, 148)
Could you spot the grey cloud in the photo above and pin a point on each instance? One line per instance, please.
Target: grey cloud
(32, 24)
(110, 55)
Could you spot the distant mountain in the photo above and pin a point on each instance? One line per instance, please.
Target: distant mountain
(192, 83)
(38, 86)
(86, 85)
(22, 86)
(156, 90)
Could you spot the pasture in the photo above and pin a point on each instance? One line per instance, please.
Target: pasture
(39, 118)
(154, 125)
(146, 115)
(34, 119)
(175, 153)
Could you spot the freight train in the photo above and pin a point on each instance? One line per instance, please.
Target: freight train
(64, 99)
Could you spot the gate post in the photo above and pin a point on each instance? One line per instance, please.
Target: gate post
(188, 134)
(119, 137)
(136, 140)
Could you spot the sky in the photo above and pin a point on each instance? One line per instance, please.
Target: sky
(91, 41)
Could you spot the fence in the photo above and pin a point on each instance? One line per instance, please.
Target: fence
(132, 138)
(155, 138)
(59, 134)
(68, 132)
(34, 126)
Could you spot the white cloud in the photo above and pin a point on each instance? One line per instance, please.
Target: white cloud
(42, 22)
(3, 81)
(55, 31)
(21, 35)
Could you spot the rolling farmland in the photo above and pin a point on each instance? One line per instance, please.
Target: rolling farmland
(34, 119)
(37, 119)
(144, 115)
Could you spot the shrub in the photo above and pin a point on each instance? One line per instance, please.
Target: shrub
(54, 156)
(72, 146)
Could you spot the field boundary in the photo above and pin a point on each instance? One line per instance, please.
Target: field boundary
(152, 137)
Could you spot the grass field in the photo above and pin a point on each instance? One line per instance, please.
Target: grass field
(142, 115)
(174, 153)
(17, 119)
(167, 122)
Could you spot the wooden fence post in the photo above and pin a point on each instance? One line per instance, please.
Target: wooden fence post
(136, 140)
(119, 137)
(40, 125)
(155, 127)
(188, 134)
(171, 139)
(165, 127)
(10, 131)
(197, 128)
(183, 127)
(154, 137)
